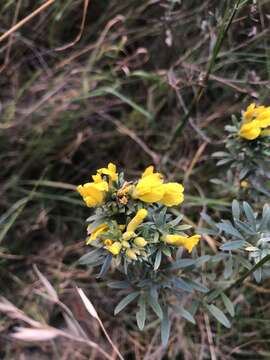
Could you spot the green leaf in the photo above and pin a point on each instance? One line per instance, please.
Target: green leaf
(219, 315)
(228, 270)
(125, 301)
(249, 214)
(232, 245)
(177, 220)
(165, 328)
(184, 313)
(91, 257)
(235, 209)
(182, 284)
(265, 217)
(180, 264)
(245, 227)
(119, 284)
(157, 260)
(228, 228)
(197, 286)
(141, 313)
(154, 304)
(208, 220)
(228, 304)
(202, 260)
(105, 267)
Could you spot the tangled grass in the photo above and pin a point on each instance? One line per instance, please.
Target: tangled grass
(148, 82)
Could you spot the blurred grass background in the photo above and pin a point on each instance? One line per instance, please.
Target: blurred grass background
(145, 84)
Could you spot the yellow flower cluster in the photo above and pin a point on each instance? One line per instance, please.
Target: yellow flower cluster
(129, 242)
(255, 119)
(152, 189)
(94, 192)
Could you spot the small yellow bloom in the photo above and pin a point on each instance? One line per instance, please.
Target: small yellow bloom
(115, 248)
(149, 187)
(179, 240)
(128, 235)
(131, 254)
(109, 171)
(244, 184)
(93, 193)
(108, 242)
(140, 241)
(100, 229)
(125, 244)
(137, 220)
(254, 120)
(173, 194)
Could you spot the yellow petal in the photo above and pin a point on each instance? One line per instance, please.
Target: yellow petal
(180, 240)
(100, 229)
(110, 171)
(173, 194)
(191, 242)
(131, 254)
(93, 193)
(250, 131)
(249, 113)
(137, 220)
(148, 171)
(128, 235)
(115, 248)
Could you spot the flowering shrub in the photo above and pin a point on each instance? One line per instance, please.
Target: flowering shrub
(247, 154)
(134, 230)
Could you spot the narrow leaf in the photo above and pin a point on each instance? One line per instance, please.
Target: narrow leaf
(125, 301)
(219, 315)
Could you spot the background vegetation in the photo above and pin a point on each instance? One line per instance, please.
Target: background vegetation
(149, 82)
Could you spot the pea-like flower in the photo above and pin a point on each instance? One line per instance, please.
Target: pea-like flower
(137, 220)
(151, 189)
(96, 232)
(189, 242)
(255, 119)
(94, 193)
(109, 171)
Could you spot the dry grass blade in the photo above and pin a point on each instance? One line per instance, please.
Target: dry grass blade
(27, 334)
(90, 308)
(78, 37)
(39, 331)
(50, 290)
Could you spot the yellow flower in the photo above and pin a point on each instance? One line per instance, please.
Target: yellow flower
(109, 171)
(149, 187)
(254, 120)
(244, 184)
(179, 240)
(108, 242)
(115, 248)
(100, 229)
(140, 241)
(131, 254)
(173, 194)
(93, 193)
(128, 235)
(137, 220)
